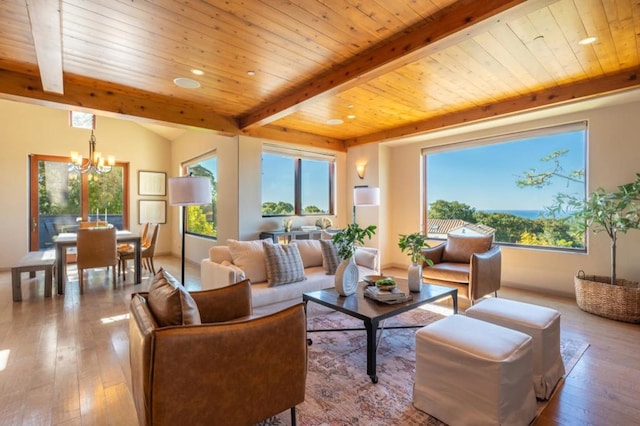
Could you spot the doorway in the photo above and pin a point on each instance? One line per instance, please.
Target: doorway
(61, 197)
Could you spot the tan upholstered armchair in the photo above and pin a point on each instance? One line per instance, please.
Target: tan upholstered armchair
(472, 264)
(232, 369)
(96, 248)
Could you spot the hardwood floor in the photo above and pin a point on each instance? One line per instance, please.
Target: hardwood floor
(65, 360)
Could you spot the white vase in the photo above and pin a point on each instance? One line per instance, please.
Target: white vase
(415, 277)
(346, 281)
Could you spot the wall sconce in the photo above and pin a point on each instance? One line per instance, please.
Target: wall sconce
(360, 168)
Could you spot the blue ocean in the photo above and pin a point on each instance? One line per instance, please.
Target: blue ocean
(528, 214)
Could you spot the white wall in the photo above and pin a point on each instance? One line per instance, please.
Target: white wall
(191, 145)
(613, 159)
(251, 220)
(29, 129)
(239, 190)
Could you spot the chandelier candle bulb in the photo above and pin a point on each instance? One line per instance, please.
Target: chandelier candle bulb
(95, 162)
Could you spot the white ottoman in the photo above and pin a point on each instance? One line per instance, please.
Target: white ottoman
(542, 324)
(471, 372)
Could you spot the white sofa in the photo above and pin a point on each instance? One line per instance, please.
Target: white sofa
(221, 269)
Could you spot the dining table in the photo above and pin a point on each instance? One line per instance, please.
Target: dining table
(66, 240)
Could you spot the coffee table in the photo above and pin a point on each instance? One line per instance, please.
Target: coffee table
(372, 312)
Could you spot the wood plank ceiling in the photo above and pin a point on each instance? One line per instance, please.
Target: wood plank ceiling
(282, 69)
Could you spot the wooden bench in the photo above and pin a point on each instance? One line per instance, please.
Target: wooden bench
(32, 262)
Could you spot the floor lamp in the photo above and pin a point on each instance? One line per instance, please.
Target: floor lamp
(365, 196)
(187, 191)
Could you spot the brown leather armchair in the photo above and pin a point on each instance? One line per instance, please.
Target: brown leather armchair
(233, 369)
(471, 264)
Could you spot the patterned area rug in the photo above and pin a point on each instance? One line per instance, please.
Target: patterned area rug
(339, 392)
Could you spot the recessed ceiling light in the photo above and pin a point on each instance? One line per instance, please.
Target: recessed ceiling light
(186, 83)
(334, 121)
(251, 73)
(197, 71)
(587, 40)
(351, 116)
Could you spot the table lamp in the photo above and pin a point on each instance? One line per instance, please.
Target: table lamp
(188, 191)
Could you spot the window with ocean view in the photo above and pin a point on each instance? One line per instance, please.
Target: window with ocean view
(508, 186)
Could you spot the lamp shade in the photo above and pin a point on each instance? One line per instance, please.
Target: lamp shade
(189, 191)
(366, 196)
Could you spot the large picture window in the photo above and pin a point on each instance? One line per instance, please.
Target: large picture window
(203, 220)
(508, 186)
(296, 183)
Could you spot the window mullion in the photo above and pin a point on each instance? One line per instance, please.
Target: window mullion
(298, 187)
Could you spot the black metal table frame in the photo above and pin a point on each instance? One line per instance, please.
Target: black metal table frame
(372, 324)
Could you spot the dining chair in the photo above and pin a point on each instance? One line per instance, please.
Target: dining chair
(148, 246)
(96, 248)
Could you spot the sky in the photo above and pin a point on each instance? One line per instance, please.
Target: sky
(484, 177)
(280, 184)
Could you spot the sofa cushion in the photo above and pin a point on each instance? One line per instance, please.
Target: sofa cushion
(264, 295)
(310, 252)
(170, 303)
(284, 264)
(460, 249)
(455, 272)
(249, 256)
(330, 256)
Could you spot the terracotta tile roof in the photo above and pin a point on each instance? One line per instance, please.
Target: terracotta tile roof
(445, 226)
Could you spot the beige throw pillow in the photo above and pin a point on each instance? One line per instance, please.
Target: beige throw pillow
(284, 264)
(365, 257)
(170, 303)
(249, 256)
(310, 252)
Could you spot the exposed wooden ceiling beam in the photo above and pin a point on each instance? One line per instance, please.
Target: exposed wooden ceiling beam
(543, 98)
(46, 28)
(118, 100)
(296, 137)
(86, 93)
(472, 16)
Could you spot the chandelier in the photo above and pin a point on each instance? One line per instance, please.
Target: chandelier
(96, 163)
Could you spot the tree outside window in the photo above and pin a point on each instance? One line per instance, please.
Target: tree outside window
(203, 220)
(296, 184)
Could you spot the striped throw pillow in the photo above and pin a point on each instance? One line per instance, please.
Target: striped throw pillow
(284, 264)
(329, 256)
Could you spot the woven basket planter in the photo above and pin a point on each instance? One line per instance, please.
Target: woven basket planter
(620, 302)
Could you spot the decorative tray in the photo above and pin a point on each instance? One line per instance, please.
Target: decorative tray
(371, 279)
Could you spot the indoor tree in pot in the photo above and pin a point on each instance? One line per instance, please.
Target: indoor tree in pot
(611, 212)
(346, 242)
(413, 244)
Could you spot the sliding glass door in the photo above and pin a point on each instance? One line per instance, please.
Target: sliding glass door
(60, 197)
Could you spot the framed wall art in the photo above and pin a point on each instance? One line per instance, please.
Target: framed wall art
(154, 211)
(152, 183)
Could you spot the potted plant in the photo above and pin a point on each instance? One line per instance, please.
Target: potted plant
(612, 212)
(346, 242)
(413, 244)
